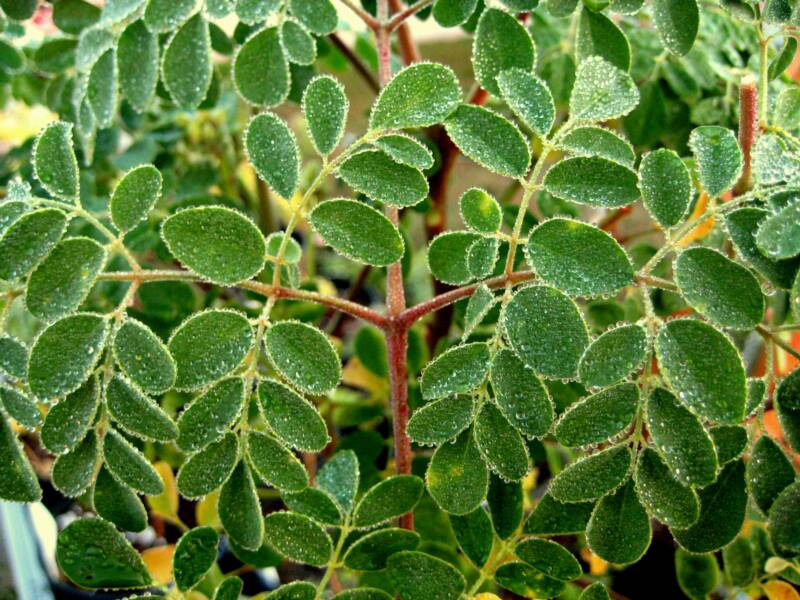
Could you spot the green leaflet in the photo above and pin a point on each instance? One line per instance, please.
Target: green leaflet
(579, 259)
(619, 530)
(594, 476)
(297, 590)
(769, 472)
(418, 576)
(420, 95)
(601, 92)
(719, 288)
(186, 66)
(489, 139)
(136, 413)
(613, 356)
(11, 210)
(527, 581)
(18, 482)
(143, 357)
(546, 331)
(165, 15)
(666, 186)
(369, 346)
(298, 538)
(722, 512)
(205, 471)
(274, 463)
(94, 555)
(505, 500)
(229, 589)
(501, 446)
(742, 225)
(209, 345)
(255, 11)
(217, 243)
(529, 97)
(598, 141)
(788, 392)
(787, 106)
(666, 498)
(304, 356)
(552, 517)
(135, 196)
(314, 503)
(698, 574)
(375, 174)
(115, 11)
(474, 535)
(92, 44)
(738, 560)
(260, 69)
(318, 16)
(704, 368)
(456, 371)
(20, 408)
(480, 211)
(598, 35)
(209, 416)
(299, 44)
(239, 508)
(117, 503)
(598, 417)
(520, 394)
(388, 499)
(596, 591)
(68, 421)
(677, 23)
(449, 13)
(684, 443)
(272, 150)
(65, 353)
(28, 240)
(501, 43)
(784, 525)
(339, 476)
(358, 231)
(54, 161)
(130, 466)
(13, 357)
(19, 10)
(72, 472)
(550, 558)
(406, 150)
(291, 417)
(195, 553)
(371, 552)
(448, 254)
(457, 477)
(101, 89)
(594, 181)
(478, 306)
(325, 107)
(137, 65)
(778, 235)
(441, 420)
(730, 442)
(718, 158)
(482, 256)
(62, 281)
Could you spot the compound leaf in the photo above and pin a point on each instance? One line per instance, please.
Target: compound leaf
(598, 35)
(474, 534)
(340, 478)
(20, 408)
(165, 15)
(13, 357)
(784, 526)
(552, 517)
(314, 503)
(318, 16)
(598, 141)
(778, 235)
(406, 150)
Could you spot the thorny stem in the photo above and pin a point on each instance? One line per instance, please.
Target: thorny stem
(748, 130)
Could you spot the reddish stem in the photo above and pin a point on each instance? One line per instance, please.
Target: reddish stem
(408, 49)
(396, 342)
(748, 130)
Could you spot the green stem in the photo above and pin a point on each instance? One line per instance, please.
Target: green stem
(333, 563)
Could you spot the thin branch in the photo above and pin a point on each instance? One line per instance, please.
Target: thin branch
(400, 17)
(782, 344)
(358, 64)
(264, 289)
(413, 314)
(408, 48)
(657, 282)
(368, 19)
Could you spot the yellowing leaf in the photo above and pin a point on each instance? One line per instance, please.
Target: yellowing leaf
(780, 590)
(206, 510)
(158, 561)
(166, 503)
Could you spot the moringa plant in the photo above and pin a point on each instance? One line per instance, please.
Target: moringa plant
(551, 360)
